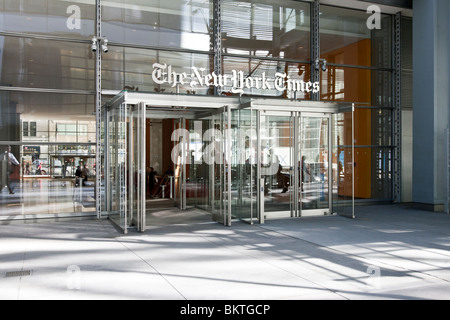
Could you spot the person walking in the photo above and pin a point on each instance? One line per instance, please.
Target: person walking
(8, 160)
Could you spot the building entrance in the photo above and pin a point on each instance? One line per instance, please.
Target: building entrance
(218, 159)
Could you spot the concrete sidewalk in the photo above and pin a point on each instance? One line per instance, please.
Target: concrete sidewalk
(387, 252)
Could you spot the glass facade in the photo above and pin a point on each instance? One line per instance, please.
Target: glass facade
(360, 71)
(48, 83)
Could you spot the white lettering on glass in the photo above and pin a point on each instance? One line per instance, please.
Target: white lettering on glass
(164, 74)
(74, 21)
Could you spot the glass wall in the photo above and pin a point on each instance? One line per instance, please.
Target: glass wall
(47, 108)
(360, 71)
(52, 138)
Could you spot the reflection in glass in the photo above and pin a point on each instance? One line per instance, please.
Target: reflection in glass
(174, 23)
(255, 68)
(75, 19)
(131, 69)
(265, 29)
(276, 164)
(46, 182)
(51, 149)
(346, 39)
(370, 87)
(313, 163)
(37, 63)
(243, 174)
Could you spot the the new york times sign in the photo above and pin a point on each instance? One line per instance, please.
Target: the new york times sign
(237, 81)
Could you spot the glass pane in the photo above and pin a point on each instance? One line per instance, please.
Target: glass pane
(369, 87)
(254, 69)
(45, 181)
(42, 182)
(382, 162)
(37, 63)
(373, 127)
(198, 181)
(342, 164)
(180, 158)
(266, 29)
(243, 148)
(174, 24)
(314, 173)
(276, 164)
(50, 17)
(220, 186)
(129, 69)
(346, 39)
(116, 167)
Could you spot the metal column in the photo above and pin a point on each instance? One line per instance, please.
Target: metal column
(217, 39)
(315, 45)
(98, 106)
(397, 116)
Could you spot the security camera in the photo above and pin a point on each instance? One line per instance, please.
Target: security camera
(324, 65)
(94, 45)
(105, 46)
(317, 65)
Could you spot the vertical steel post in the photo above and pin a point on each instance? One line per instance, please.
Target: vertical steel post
(217, 40)
(315, 45)
(98, 106)
(397, 123)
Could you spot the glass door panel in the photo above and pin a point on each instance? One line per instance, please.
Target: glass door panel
(136, 164)
(199, 167)
(243, 170)
(342, 163)
(314, 165)
(180, 137)
(115, 165)
(276, 165)
(219, 153)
